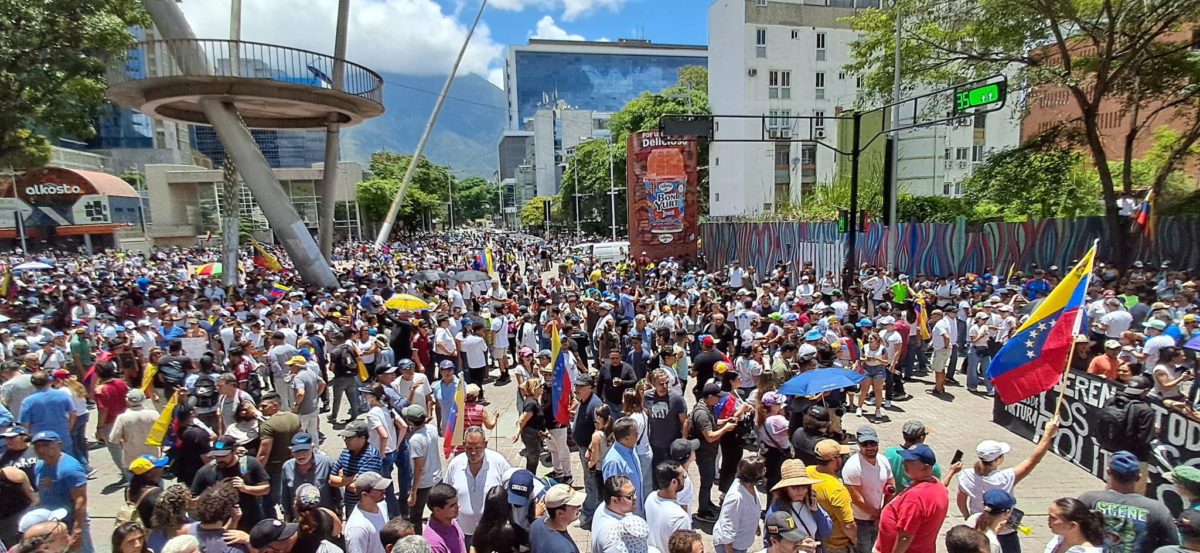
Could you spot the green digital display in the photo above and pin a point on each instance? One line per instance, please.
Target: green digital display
(978, 96)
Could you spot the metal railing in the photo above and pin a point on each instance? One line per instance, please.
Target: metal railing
(242, 59)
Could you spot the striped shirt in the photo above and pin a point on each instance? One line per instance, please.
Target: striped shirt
(368, 460)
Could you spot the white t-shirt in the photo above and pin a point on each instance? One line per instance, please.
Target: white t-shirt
(943, 330)
(993, 540)
(975, 486)
(379, 417)
(871, 479)
(424, 444)
(500, 328)
(1153, 345)
(362, 530)
(476, 349)
(419, 385)
(1117, 322)
(443, 339)
(895, 343)
(664, 516)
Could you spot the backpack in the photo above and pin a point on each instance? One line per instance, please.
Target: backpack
(205, 391)
(1110, 424)
(129, 511)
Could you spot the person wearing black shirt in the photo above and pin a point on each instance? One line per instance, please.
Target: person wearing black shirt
(173, 368)
(722, 332)
(585, 425)
(17, 452)
(345, 376)
(704, 363)
(581, 343)
(402, 335)
(532, 424)
(250, 479)
(615, 376)
(190, 446)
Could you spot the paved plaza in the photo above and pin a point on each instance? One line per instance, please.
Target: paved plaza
(959, 423)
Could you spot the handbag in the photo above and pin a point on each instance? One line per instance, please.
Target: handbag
(129, 511)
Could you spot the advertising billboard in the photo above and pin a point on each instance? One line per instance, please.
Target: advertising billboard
(663, 196)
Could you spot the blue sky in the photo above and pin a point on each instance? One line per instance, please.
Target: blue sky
(421, 37)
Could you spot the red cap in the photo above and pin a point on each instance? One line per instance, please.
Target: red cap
(61, 374)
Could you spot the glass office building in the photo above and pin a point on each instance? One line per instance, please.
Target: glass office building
(281, 148)
(595, 76)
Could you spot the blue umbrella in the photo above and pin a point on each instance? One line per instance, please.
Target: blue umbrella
(1193, 344)
(816, 381)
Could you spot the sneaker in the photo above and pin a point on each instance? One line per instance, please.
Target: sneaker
(887, 404)
(91, 475)
(705, 517)
(870, 401)
(902, 397)
(859, 412)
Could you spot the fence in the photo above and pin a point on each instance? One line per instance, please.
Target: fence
(943, 248)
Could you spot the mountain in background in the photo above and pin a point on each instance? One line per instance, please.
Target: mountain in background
(465, 136)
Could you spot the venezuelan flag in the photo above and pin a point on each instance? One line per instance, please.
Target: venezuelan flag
(453, 433)
(278, 290)
(1034, 359)
(1144, 213)
(922, 316)
(264, 259)
(561, 387)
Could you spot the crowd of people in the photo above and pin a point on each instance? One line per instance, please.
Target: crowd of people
(215, 401)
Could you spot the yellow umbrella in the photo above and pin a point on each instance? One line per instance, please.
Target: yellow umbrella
(406, 301)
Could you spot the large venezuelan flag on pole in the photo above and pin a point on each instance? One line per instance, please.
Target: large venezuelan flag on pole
(1034, 359)
(561, 387)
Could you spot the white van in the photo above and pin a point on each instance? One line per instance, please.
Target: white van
(610, 252)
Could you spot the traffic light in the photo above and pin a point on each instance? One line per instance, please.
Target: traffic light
(843, 221)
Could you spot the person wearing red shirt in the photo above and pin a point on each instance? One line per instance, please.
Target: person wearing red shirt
(912, 521)
(110, 402)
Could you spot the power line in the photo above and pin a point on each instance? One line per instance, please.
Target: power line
(448, 96)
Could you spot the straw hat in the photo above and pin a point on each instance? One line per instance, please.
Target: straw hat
(793, 473)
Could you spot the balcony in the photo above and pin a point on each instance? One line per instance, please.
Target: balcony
(273, 87)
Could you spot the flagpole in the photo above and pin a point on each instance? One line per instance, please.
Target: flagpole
(1062, 384)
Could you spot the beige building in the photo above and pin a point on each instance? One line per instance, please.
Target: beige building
(187, 202)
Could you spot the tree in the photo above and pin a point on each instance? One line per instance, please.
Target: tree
(592, 163)
(135, 178)
(475, 198)
(1134, 55)
(533, 216)
(426, 197)
(1039, 181)
(52, 79)
(934, 209)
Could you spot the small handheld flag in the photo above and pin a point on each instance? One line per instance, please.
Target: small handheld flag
(264, 259)
(278, 291)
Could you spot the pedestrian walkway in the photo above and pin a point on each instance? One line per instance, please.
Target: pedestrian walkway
(959, 421)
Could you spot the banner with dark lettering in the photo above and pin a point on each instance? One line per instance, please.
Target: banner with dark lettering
(663, 196)
(1177, 441)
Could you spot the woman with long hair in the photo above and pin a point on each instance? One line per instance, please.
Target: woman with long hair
(793, 494)
(531, 427)
(994, 518)
(598, 446)
(129, 537)
(737, 524)
(632, 407)
(873, 366)
(66, 381)
(1076, 528)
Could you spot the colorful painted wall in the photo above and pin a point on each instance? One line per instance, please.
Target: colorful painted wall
(942, 248)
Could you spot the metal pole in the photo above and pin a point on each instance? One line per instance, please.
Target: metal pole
(852, 238)
(333, 141)
(893, 225)
(390, 219)
(578, 230)
(235, 36)
(612, 188)
(230, 233)
(450, 202)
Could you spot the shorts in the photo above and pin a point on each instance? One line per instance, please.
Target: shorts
(877, 373)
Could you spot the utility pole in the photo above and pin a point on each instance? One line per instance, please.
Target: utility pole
(893, 184)
(450, 203)
(328, 189)
(852, 237)
(612, 188)
(578, 229)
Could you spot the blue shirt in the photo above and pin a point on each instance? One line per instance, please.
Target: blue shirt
(55, 483)
(622, 461)
(49, 409)
(543, 538)
(368, 460)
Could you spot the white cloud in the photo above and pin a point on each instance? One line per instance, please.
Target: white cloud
(547, 29)
(519, 5)
(496, 77)
(575, 9)
(403, 36)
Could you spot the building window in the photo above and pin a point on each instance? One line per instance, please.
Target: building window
(820, 41)
(960, 154)
(779, 124)
(760, 42)
(858, 82)
(981, 120)
(760, 3)
(958, 188)
(947, 154)
(819, 120)
(820, 82)
(977, 152)
(946, 188)
(780, 85)
(841, 75)
(795, 34)
(782, 151)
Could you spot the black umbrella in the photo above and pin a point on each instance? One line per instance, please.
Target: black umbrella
(471, 276)
(429, 275)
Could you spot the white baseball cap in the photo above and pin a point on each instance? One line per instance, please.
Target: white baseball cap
(990, 450)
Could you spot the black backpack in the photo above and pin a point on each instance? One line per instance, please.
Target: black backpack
(1110, 424)
(205, 391)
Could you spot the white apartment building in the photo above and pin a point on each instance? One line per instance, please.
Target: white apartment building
(785, 58)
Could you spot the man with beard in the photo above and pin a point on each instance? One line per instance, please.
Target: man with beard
(249, 479)
(308, 465)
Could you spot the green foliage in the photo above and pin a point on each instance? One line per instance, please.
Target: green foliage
(52, 76)
(135, 178)
(375, 197)
(475, 198)
(642, 113)
(933, 209)
(825, 200)
(426, 195)
(1035, 182)
(533, 214)
(592, 163)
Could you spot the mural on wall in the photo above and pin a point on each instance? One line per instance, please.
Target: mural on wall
(943, 248)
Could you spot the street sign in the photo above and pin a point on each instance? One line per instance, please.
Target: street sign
(979, 95)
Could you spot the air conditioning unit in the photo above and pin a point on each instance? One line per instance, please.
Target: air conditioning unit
(962, 164)
(949, 163)
(752, 72)
(819, 133)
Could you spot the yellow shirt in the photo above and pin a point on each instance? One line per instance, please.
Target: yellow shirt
(833, 496)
